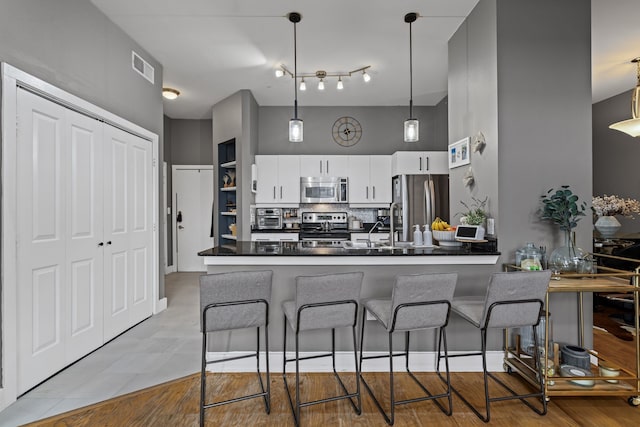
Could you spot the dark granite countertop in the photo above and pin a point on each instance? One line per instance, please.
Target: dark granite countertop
(242, 248)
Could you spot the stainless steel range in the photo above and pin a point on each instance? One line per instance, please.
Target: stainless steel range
(324, 229)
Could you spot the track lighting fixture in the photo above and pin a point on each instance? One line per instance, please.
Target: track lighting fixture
(321, 75)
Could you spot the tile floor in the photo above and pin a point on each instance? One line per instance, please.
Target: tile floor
(159, 349)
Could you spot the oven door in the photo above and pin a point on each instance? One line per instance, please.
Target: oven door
(269, 222)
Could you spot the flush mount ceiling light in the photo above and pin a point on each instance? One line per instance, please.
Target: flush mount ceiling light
(295, 124)
(170, 93)
(411, 125)
(632, 126)
(322, 75)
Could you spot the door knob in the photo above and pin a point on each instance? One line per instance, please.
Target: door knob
(180, 227)
(101, 244)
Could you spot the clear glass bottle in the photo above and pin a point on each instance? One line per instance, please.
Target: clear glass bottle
(531, 258)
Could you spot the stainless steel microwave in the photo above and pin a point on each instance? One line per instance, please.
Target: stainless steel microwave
(323, 190)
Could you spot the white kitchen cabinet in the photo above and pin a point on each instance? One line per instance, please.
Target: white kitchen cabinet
(369, 180)
(278, 181)
(324, 166)
(274, 237)
(419, 163)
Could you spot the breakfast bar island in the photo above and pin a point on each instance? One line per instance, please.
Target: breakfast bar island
(473, 263)
(380, 265)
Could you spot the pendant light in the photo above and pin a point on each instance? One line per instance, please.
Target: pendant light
(632, 126)
(295, 124)
(411, 125)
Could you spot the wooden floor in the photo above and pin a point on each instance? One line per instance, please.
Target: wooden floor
(176, 403)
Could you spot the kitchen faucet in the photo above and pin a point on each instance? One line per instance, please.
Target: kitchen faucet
(378, 223)
(392, 237)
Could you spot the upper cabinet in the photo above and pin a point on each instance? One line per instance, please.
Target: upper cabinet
(419, 163)
(324, 166)
(278, 180)
(369, 180)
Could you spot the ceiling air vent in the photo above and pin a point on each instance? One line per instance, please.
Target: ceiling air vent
(142, 67)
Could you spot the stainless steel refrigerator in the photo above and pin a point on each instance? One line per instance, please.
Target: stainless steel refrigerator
(420, 199)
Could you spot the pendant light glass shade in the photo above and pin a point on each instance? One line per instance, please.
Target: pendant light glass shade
(303, 85)
(411, 130)
(295, 130)
(411, 125)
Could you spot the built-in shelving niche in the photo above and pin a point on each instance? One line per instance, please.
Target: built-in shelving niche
(227, 194)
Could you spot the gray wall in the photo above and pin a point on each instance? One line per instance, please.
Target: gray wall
(72, 45)
(382, 130)
(615, 155)
(529, 91)
(191, 142)
(473, 108)
(187, 142)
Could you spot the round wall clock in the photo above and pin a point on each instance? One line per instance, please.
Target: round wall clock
(347, 131)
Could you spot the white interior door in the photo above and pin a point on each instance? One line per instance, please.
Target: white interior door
(41, 270)
(192, 208)
(127, 230)
(85, 247)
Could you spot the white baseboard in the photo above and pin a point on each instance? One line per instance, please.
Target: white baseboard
(420, 361)
(161, 305)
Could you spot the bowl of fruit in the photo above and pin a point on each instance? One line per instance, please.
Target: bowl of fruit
(444, 233)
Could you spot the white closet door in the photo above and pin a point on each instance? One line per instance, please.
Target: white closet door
(127, 230)
(85, 246)
(141, 233)
(41, 224)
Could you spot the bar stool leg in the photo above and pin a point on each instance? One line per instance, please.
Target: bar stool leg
(203, 376)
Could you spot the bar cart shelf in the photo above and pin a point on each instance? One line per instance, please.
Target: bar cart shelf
(628, 382)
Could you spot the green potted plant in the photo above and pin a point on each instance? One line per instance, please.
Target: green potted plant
(476, 213)
(563, 208)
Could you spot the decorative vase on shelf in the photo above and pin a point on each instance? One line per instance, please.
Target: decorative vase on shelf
(607, 226)
(567, 258)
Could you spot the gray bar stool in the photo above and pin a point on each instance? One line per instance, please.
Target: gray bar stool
(229, 301)
(513, 300)
(322, 302)
(421, 301)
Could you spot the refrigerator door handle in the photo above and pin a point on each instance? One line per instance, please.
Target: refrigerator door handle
(429, 194)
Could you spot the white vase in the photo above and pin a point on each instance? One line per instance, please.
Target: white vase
(607, 226)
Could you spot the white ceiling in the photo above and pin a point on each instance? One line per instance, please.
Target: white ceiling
(210, 49)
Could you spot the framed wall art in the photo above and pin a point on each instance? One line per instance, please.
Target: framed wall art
(459, 153)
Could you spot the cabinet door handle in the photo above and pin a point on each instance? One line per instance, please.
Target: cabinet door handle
(374, 192)
(274, 192)
(367, 192)
(281, 191)
(426, 159)
(327, 167)
(109, 242)
(420, 158)
(320, 166)
(101, 244)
